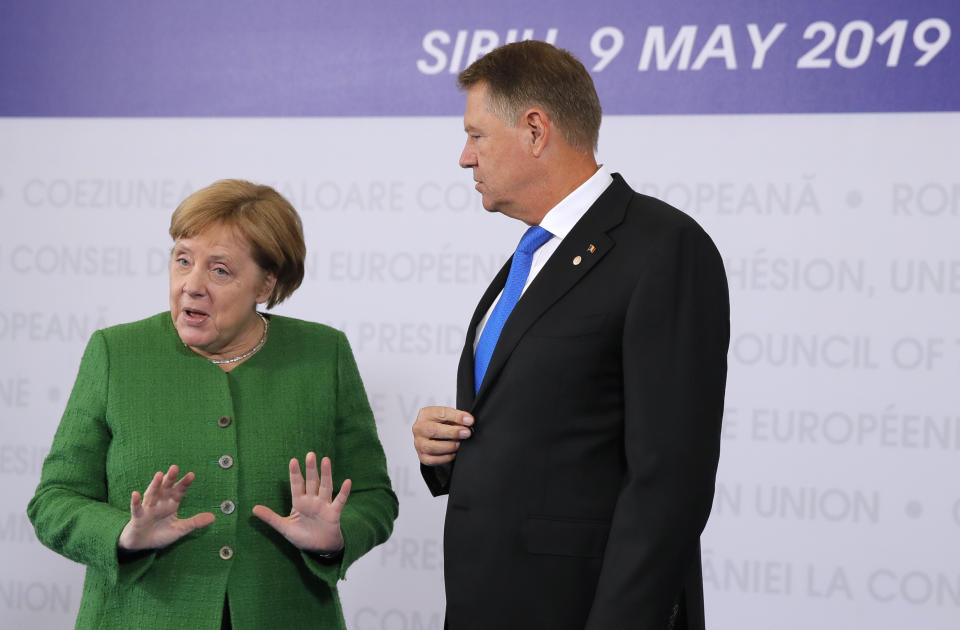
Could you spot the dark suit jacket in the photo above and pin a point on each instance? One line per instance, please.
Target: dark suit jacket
(579, 500)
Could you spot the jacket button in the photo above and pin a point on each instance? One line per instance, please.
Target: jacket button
(224, 422)
(226, 552)
(228, 506)
(225, 461)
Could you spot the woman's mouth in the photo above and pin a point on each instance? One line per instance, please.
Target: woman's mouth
(193, 316)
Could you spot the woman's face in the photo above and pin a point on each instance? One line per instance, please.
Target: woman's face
(215, 286)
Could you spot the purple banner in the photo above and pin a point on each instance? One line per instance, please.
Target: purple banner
(311, 58)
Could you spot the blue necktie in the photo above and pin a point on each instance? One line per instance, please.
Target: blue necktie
(519, 270)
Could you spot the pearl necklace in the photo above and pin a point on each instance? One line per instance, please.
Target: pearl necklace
(252, 351)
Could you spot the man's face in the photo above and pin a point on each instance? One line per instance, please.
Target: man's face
(499, 155)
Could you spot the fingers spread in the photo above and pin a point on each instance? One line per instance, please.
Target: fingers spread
(136, 507)
(180, 488)
(268, 516)
(199, 520)
(343, 495)
(152, 489)
(297, 487)
(185, 481)
(326, 479)
(313, 480)
(170, 478)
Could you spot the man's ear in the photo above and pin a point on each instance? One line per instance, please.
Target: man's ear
(538, 127)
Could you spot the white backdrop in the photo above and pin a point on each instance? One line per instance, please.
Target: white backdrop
(837, 502)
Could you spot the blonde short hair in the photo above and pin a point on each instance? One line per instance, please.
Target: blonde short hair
(262, 215)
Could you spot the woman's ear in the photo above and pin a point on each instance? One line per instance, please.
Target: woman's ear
(269, 283)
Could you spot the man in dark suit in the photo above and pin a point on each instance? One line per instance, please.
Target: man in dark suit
(580, 461)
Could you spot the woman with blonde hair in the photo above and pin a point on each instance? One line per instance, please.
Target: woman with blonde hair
(232, 395)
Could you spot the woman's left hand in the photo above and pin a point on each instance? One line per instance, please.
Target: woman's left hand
(314, 520)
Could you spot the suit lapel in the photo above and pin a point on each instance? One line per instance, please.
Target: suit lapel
(557, 277)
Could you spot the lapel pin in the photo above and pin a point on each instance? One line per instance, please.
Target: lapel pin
(592, 248)
(577, 260)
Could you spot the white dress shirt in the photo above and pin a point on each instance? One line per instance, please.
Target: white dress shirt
(559, 220)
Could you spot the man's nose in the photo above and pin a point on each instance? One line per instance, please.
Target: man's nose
(468, 158)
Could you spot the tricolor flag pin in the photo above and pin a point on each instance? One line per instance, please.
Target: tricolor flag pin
(592, 248)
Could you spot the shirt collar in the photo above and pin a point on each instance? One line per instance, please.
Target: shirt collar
(560, 219)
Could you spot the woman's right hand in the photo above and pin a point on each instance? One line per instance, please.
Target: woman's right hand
(153, 518)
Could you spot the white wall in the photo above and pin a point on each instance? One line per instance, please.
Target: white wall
(837, 500)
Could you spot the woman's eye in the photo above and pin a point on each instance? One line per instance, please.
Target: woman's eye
(220, 271)
(182, 262)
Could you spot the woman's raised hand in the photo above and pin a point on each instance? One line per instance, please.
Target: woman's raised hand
(153, 517)
(314, 520)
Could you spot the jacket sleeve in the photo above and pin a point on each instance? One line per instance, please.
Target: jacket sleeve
(674, 368)
(367, 518)
(437, 478)
(69, 510)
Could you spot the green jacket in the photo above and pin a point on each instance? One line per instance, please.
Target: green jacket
(143, 401)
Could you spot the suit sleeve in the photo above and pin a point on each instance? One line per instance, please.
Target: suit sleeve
(367, 518)
(69, 510)
(675, 341)
(437, 478)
